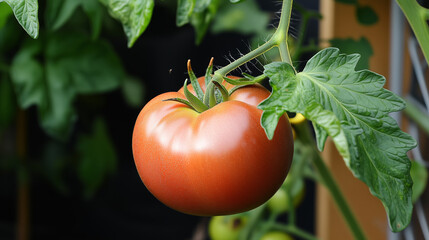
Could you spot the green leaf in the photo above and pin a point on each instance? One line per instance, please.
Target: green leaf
(97, 158)
(235, 1)
(133, 91)
(94, 11)
(26, 12)
(73, 64)
(5, 12)
(66, 10)
(419, 174)
(245, 18)
(201, 21)
(352, 107)
(366, 15)
(184, 11)
(54, 164)
(134, 15)
(361, 46)
(201, 5)
(60, 12)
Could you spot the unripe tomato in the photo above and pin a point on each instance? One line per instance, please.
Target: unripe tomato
(279, 203)
(217, 162)
(226, 227)
(276, 235)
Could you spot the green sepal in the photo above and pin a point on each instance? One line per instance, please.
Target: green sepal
(187, 103)
(195, 83)
(255, 79)
(209, 97)
(235, 89)
(195, 102)
(238, 82)
(208, 76)
(222, 90)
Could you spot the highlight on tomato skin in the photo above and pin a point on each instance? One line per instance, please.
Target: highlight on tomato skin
(217, 162)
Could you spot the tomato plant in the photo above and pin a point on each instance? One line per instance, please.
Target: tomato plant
(223, 144)
(214, 162)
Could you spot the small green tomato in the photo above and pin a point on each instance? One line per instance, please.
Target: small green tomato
(226, 227)
(276, 235)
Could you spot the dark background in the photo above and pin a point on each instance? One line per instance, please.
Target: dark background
(123, 208)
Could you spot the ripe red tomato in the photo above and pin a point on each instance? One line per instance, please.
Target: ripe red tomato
(216, 162)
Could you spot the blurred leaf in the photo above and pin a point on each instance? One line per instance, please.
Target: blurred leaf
(245, 17)
(235, 1)
(98, 158)
(65, 12)
(54, 162)
(200, 22)
(7, 103)
(184, 11)
(26, 13)
(350, 46)
(5, 12)
(201, 5)
(72, 64)
(10, 36)
(59, 12)
(133, 91)
(419, 174)
(134, 15)
(366, 15)
(95, 14)
(347, 1)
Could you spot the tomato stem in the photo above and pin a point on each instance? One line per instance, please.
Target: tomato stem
(293, 230)
(195, 102)
(329, 182)
(417, 17)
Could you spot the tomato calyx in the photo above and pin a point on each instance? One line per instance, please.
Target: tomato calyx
(215, 91)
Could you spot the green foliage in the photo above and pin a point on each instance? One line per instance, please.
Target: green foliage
(134, 15)
(54, 162)
(419, 174)
(185, 9)
(5, 12)
(133, 91)
(352, 107)
(366, 15)
(26, 12)
(65, 73)
(245, 17)
(350, 46)
(59, 12)
(97, 158)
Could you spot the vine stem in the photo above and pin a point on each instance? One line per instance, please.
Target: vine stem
(23, 194)
(279, 39)
(293, 230)
(330, 183)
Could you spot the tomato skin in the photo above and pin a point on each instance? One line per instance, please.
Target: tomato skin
(217, 162)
